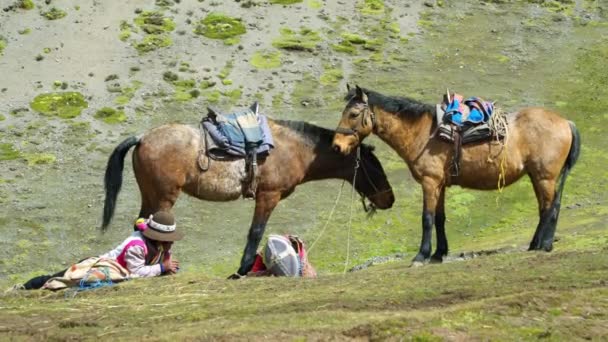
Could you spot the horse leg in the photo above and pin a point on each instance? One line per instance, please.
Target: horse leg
(545, 231)
(431, 195)
(265, 202)
(442, 241)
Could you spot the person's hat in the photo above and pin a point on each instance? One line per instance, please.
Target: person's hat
(161, 227)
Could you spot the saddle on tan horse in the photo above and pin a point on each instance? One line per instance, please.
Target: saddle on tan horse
(462, 122)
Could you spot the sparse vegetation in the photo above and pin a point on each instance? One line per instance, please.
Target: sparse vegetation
(54, 14)
(65, 105)
(305, 40)
(8, 152)
(110, 115)
(220, 26)
(266, 59)
(2, 45)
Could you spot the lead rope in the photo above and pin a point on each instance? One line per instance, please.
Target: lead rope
(331, 213)
(350, 217)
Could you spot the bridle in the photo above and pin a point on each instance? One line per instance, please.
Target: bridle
(353, 131)
(368, 208)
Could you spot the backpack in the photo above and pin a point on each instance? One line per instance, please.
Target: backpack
(283, 255)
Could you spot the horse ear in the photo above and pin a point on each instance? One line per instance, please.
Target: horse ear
(254, 107)
(212, 113)
(361, 94)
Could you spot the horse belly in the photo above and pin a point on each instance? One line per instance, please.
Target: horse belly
(480, 171)
(223, 181)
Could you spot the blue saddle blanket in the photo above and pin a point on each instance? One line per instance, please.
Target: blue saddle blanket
(477, 109)
(237, 134)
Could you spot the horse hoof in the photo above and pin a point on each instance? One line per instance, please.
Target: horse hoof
(417, 264)
(436, 260)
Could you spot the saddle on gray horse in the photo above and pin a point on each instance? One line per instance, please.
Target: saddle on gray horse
(235, 136)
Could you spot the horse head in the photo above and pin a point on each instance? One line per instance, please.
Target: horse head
(357, 122)
(371, 181)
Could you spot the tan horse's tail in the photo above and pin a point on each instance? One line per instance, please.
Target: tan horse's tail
(113, 178)
(575, 151)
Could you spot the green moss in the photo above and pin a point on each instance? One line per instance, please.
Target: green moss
(64, 104)
(46, 50)
(227, 81)
(226, 70)
(2, 117)
(371, 6)
(39, 158)
(213, 96)
(154, 22)
(26, 4)
(184, 90)
(111, 115)
(284, 2)
(54, 14)
(233, 95)
(127, 93)
(266, 59)
(314, 4)
(206, 84)
(305, 40)
(26, 30)
(152, 42)
(125, 30)
(344, 46)
(331, 76)
(8, 152)
(170, 76)
(220, 26)
(2, 44)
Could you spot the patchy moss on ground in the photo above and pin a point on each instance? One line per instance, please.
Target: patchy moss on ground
(154, 22)
(266, 59)
(220, 26)
(305, 40)
(2, 45)
(25, 4)
(314, 4)
(64, 104)
(53, 14)
(39, 158)
(226, 70)
(8, 152)
(110, 115)
(285, 2)
(127, 93)
(205, 84)
(152, 42)
(331, 76)
(371, 7)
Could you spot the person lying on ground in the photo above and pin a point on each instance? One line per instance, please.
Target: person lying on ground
(145, 253)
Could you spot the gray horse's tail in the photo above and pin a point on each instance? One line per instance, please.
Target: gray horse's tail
(575, 151)
(113, 177)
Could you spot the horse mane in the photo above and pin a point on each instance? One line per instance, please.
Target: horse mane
(398, 105)
(315, 134)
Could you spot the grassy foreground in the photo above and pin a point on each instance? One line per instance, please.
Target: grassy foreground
(517, 295)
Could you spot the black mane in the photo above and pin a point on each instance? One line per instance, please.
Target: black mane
(315, 134)
(398, 105)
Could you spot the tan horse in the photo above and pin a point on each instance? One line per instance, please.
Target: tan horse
(540, 143)
(165, 164)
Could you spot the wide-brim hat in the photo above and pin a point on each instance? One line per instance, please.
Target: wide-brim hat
(161, 227)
